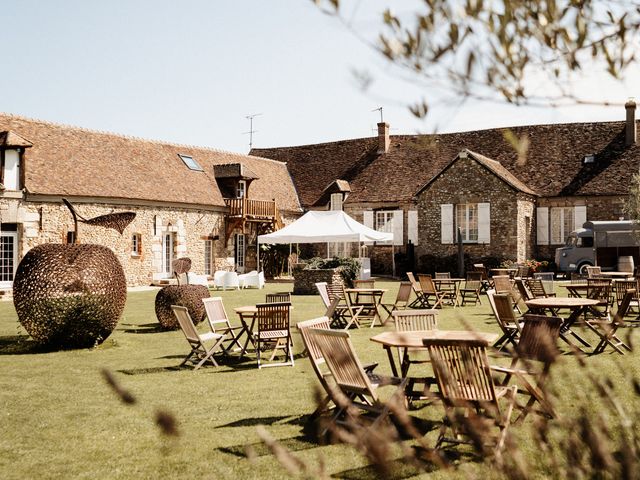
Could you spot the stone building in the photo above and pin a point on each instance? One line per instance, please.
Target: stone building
(515, 192)
(173, 189)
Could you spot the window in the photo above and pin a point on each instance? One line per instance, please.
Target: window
(208, 257)
(384, 221)
(562, 224)
(336, 201)
(167, 253)
(136, 245)
(338, 249)
(239, 252)
(191, 163)
(10, 178)
(71, 237)
(467, 221)
(241, 189)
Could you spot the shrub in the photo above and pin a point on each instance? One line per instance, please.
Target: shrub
(349, 268)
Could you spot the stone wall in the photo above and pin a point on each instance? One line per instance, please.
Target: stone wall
(466, 181)
(305, 280)
(42, 222)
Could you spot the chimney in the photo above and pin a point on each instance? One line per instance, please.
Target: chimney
(630, 128)
(383, 137)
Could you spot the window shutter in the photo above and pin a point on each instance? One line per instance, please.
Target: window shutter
(579, 217)
(542, 228)
(412, 226)
(484, 223)
(368, 222)
(446, 223)
(398, 227)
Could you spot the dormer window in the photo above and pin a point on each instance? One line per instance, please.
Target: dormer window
(10, 173)
(191, 163)
(336, 201)
(589, 159)
(241, 189)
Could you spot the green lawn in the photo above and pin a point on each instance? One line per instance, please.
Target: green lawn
(61, 420)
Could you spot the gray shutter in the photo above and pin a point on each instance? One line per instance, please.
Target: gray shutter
(412, 226)
(484, 223)
(368, 221)
(542, 225)
(446, 223)
(398, 227)
(579, 217)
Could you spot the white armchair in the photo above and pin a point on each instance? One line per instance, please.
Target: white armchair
(217, 278)
(230, 280)
(195, 279)
(252, 279)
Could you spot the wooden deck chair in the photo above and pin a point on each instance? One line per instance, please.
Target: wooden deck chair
(429, 292)
(503, 284)
(278, 297)
(415, 286)
(316, 358)
(401, 303)
(502, 308)
(200, 352)
(352, 389)
(408, 321)
(219, 322)
(536, 287)
(471, 288)
(468, 393)
(274, 332)
(606, 330)
(600, 289)
(538, 345)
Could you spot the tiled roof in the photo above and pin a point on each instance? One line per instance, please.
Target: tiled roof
(337, 186)
(73, 161)
(553, 163)
(12, 139)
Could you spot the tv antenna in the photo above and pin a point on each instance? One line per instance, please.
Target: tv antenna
(251, 130)
(380, 110)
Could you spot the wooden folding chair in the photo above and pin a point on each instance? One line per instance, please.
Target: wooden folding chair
(600, 289)
(219, 322)
(620, 287)
(606, 330)
(536, 287)
(415, 286)
(503, 284)
(471, 288)
(317, 360)
(430, 292)
(364, 283)
(274, 332)
(594, 272)
(278, 297)
(502, 308)
(538, 344)
(199, 353)
(486, 282)
(462, 370)
(354, 390)
(401, 303)
(348, 312)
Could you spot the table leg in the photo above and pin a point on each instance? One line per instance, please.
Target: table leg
(392, 362)
(248, 331)
(571, 320)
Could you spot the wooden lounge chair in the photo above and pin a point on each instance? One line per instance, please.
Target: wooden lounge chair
(430, 293)
(471, 288)
(538, 344)
(200, 352)
(354, 391)
(317, 360)
(607, 330)
(502, 308)
(462, 370)
(401, 303)
(219, 322)
(274, 332)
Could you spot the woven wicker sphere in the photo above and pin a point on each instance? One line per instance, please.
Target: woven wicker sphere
(69, 296)
(189, 296)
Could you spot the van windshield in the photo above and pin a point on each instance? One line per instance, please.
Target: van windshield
(571, 241)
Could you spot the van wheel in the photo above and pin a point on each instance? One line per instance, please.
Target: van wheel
(582, 269)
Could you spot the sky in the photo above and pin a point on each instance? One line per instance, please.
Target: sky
(190, 72)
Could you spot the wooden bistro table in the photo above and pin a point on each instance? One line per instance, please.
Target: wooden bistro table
(367, 298)
(413, 340)
(576, 305)
(247, 315)
(450, 286)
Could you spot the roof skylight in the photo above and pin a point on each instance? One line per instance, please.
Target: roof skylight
(191, 163)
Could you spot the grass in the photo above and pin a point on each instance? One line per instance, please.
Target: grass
(61, 420)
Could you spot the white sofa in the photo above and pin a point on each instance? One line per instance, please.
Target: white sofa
(252, 279)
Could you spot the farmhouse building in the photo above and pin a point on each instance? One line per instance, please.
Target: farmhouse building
(189, 201)
(514, 193)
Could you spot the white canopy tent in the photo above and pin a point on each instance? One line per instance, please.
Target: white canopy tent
(324, 227)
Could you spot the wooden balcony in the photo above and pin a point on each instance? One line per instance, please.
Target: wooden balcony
(243, 210)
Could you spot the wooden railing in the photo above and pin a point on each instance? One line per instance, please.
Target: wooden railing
(244, 207)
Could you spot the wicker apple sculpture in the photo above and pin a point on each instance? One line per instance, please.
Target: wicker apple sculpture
(72, 296)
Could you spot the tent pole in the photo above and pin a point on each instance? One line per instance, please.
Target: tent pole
(258, 255)
(289, 262)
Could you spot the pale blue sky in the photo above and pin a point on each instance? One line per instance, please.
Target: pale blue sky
(189, 72)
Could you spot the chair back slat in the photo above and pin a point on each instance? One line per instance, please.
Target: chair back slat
(412, 320)
(504, 310)
(502, 283)
(341, 359)
(473, 280)
(365, 283)
(216, 314)
(462, 371)
(324, 293)
(186, 324)
(273, 316)
(404, 293)
(536, 287)
(278, 297)
(539, 338)
(335, 290)
(443, 275)
(310, 344)
(426, 284)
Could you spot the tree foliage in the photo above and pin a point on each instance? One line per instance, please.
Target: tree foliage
(487, 49)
